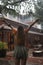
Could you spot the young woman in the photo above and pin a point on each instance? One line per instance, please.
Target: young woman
(20, 51)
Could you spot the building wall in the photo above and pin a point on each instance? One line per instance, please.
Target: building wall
(35, 39)
(30, 38)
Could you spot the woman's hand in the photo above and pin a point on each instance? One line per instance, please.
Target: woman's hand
(34, 22)
(31, 25)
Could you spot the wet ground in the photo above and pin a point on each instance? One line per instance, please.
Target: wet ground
(12, 63)
(30, 61)
(4, 62)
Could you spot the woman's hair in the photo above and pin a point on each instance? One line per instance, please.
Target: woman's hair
(20, 35)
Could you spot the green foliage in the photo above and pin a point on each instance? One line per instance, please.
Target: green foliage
(9, 10)
(3, 45)
(37, 4)
(39, 9)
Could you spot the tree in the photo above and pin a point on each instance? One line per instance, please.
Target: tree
(8, 7)
(14, 6)
(38, 8)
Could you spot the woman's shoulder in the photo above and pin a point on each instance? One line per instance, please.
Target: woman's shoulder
(14, 30)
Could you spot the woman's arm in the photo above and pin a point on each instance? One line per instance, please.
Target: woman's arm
(8, 24)
(26, 30)
(12, 28)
